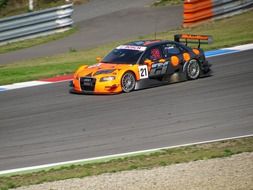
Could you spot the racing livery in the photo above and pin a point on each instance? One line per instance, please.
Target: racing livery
(143, 64)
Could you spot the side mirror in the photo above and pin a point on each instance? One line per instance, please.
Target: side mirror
(162, 60)
(148, 62)
(98, 59)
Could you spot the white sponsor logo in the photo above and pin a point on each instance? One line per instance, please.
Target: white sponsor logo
(96, 65)
(138, 48)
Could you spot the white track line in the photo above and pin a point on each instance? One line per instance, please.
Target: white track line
(241, 47)
(41, 167)
(24, 84)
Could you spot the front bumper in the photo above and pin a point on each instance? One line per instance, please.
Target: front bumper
(99, 88)
(73, 91)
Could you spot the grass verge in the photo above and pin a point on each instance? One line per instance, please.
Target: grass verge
(160, 3)
(161, 158)
(227, 32)
(16, 7)
(36, 41)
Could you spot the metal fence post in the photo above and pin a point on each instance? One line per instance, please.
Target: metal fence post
(30, 5)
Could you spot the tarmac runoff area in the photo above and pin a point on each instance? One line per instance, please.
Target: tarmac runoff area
(232, 173)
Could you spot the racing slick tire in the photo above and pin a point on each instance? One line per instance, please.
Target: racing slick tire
(128, 82)
(192, 69)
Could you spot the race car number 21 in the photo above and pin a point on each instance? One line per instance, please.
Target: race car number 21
(143, 71)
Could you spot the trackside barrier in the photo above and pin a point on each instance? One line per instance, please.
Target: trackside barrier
(198, 11)
(36, 24)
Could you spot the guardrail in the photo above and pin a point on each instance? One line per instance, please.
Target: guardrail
(36, 24)
(198, 11)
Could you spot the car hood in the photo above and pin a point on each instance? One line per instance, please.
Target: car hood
(100, 69)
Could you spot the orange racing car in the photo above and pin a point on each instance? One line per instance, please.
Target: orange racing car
(143, 64)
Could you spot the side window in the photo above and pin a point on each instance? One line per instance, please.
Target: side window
(170, 49)
(154, 54)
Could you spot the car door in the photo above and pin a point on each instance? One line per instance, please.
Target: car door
(155, 61)
(172, 50)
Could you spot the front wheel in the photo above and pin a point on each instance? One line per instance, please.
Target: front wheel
(128, 82)
(192, 69)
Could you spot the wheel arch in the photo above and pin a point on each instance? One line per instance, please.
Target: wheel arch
(123, 73)
(132, 70)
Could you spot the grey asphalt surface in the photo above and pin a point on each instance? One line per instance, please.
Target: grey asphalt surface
(46, 124)
(100, 22)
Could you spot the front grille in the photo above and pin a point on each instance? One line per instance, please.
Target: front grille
(87, 84)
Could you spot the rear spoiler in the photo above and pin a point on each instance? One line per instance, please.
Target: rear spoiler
(196, 39)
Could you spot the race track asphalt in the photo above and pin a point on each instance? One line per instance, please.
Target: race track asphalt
(46, 124)
(101, 22)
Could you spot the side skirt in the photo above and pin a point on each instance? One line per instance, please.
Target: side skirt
(149, 83)
(174, 78)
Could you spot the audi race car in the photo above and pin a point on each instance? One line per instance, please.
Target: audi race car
(143, 64)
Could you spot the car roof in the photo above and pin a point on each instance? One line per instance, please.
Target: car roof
(148, 43)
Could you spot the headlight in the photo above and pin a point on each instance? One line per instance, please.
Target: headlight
(104, 79)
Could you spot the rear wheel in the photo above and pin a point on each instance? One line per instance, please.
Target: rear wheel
(128, 82)
(192, 69)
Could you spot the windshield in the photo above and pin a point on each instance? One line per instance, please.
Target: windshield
(129, 56)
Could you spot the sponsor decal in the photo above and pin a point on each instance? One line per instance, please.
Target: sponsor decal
(131, 47)
(195, 37)
(96, 65)
(143, 71)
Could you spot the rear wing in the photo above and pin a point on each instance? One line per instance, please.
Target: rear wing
(196, 39)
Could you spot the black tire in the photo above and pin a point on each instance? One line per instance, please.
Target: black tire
(192, 69)
(128, 82)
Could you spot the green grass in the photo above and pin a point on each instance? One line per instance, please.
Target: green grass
(36, 41)
(160, 3)
(156, 159)
(15, 7)
(228, 32)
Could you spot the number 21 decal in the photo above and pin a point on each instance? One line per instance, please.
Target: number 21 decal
(143, 71)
